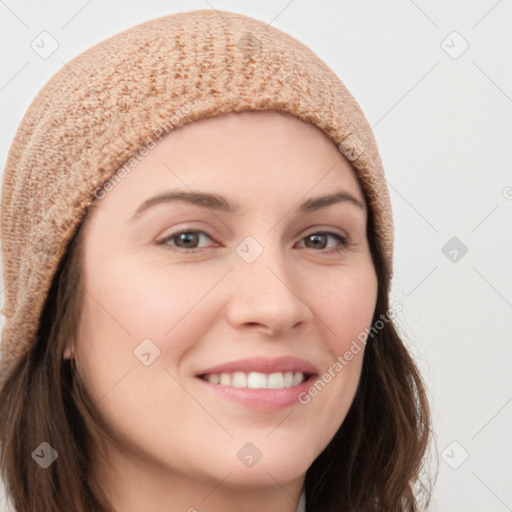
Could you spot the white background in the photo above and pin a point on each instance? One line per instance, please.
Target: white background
(444, 129)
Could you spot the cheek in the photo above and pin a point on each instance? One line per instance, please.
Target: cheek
(131, 310)
(345, 310)
(130, 319)
(348, 304)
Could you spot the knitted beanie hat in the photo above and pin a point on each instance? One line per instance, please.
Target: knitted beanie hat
(98, 116)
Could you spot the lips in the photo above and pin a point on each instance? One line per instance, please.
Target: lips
(263, 365)
(285, 378)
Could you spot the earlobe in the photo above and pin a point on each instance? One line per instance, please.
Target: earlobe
(68, 353)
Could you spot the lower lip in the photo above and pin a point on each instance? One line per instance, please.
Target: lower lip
(261, 399)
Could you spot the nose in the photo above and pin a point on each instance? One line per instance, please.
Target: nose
(268, 295)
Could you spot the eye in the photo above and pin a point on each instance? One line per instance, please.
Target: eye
(186, 240)
(318, 240)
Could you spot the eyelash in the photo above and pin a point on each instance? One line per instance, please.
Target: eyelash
(344, 243)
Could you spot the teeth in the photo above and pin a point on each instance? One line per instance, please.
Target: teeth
(297, 379)
(215, 378)
(257, 380)
(276, 380)
(239, 380)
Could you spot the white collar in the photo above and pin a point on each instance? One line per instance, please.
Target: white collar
(301, 507)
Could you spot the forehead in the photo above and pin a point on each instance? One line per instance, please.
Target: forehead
(249, 130)
(251, 157)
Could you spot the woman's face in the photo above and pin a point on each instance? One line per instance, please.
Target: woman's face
(179, 288)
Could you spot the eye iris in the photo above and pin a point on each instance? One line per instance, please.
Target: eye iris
(316, 238)
(187, 237)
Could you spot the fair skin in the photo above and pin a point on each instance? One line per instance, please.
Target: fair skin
(176, 439)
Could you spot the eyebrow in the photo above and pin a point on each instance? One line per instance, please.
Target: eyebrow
(220, 203)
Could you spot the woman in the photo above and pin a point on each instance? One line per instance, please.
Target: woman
(197, 242)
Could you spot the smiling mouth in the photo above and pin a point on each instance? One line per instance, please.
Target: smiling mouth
(257, 380)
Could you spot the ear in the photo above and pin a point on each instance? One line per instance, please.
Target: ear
(68, 353)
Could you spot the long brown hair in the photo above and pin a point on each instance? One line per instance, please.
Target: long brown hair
(372, 463)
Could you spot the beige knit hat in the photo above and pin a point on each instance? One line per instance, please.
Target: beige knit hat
(106, 107)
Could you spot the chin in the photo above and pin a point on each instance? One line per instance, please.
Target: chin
(275, 464)
(265, 475)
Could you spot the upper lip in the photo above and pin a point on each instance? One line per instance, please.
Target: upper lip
(263, 365)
